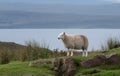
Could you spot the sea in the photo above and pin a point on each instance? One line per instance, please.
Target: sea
(96, 37)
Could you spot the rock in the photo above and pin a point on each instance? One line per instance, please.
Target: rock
(57, 66)
(69, 67)
(113, 59)
(99, 60)
(40, 62)
(64, 67)
(95, 61)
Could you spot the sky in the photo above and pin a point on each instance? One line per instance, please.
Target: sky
(65, 1)
(27, 6)
(16, 12)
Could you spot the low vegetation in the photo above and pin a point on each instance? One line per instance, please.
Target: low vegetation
(18, 68)
(22, 69)
(111, 43)
(32, 50)
(12, 56)
(103, 70)
(4, 57)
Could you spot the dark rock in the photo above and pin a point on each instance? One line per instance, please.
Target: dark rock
(40, 62)
(113, 59)
(64, 67)
(95, 61)
(57, 66)
(69, 67)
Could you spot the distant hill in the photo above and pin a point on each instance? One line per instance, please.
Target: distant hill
(10, 46)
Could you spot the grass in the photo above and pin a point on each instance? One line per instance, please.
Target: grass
(103, 70)
(17, 68)
(22, 69)
(34, 50)
(111, 43)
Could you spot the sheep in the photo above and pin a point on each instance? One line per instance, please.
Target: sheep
(74, 42)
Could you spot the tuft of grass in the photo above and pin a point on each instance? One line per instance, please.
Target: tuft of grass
(35, 50)
(111, 43)
(4, 57)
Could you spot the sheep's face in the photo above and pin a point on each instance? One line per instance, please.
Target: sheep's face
(61, 36)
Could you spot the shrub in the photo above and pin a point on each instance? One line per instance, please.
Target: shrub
(31, 51)
(111, 43)
(4, 56)
(36, 50)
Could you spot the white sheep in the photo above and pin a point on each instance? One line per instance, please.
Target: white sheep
(74, 42)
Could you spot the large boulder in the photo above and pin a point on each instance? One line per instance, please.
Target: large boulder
(64, 67)
(113, 59)
(95, 61)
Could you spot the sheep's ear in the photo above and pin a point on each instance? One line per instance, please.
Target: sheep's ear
(63, 33)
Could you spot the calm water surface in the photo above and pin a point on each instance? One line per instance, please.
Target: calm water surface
(49, 36)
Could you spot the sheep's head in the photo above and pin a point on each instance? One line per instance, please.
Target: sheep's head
(61, 36)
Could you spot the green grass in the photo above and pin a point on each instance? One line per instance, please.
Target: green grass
(92, 54)
(103, 70)
(17, 68)
(22, 69)
(111, 43)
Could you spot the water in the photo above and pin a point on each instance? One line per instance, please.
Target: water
(49, 36)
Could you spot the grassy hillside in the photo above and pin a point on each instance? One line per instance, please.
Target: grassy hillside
(103, 70)
(10, 51)
(18, 68)
(22, 69)
(10, 46)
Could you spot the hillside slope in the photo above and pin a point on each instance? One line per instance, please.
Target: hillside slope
(22, 68)
(103, 70)
(10, 46)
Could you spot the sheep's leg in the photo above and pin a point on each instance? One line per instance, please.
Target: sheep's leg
(72, 52)
(83, 53)
(86, 53)
(68, 53)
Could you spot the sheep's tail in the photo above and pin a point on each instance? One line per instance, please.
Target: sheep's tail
(85, 42)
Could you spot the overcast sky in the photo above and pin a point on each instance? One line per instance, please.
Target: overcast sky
(65, 1)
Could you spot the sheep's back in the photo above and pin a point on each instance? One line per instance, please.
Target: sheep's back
(76, 41)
